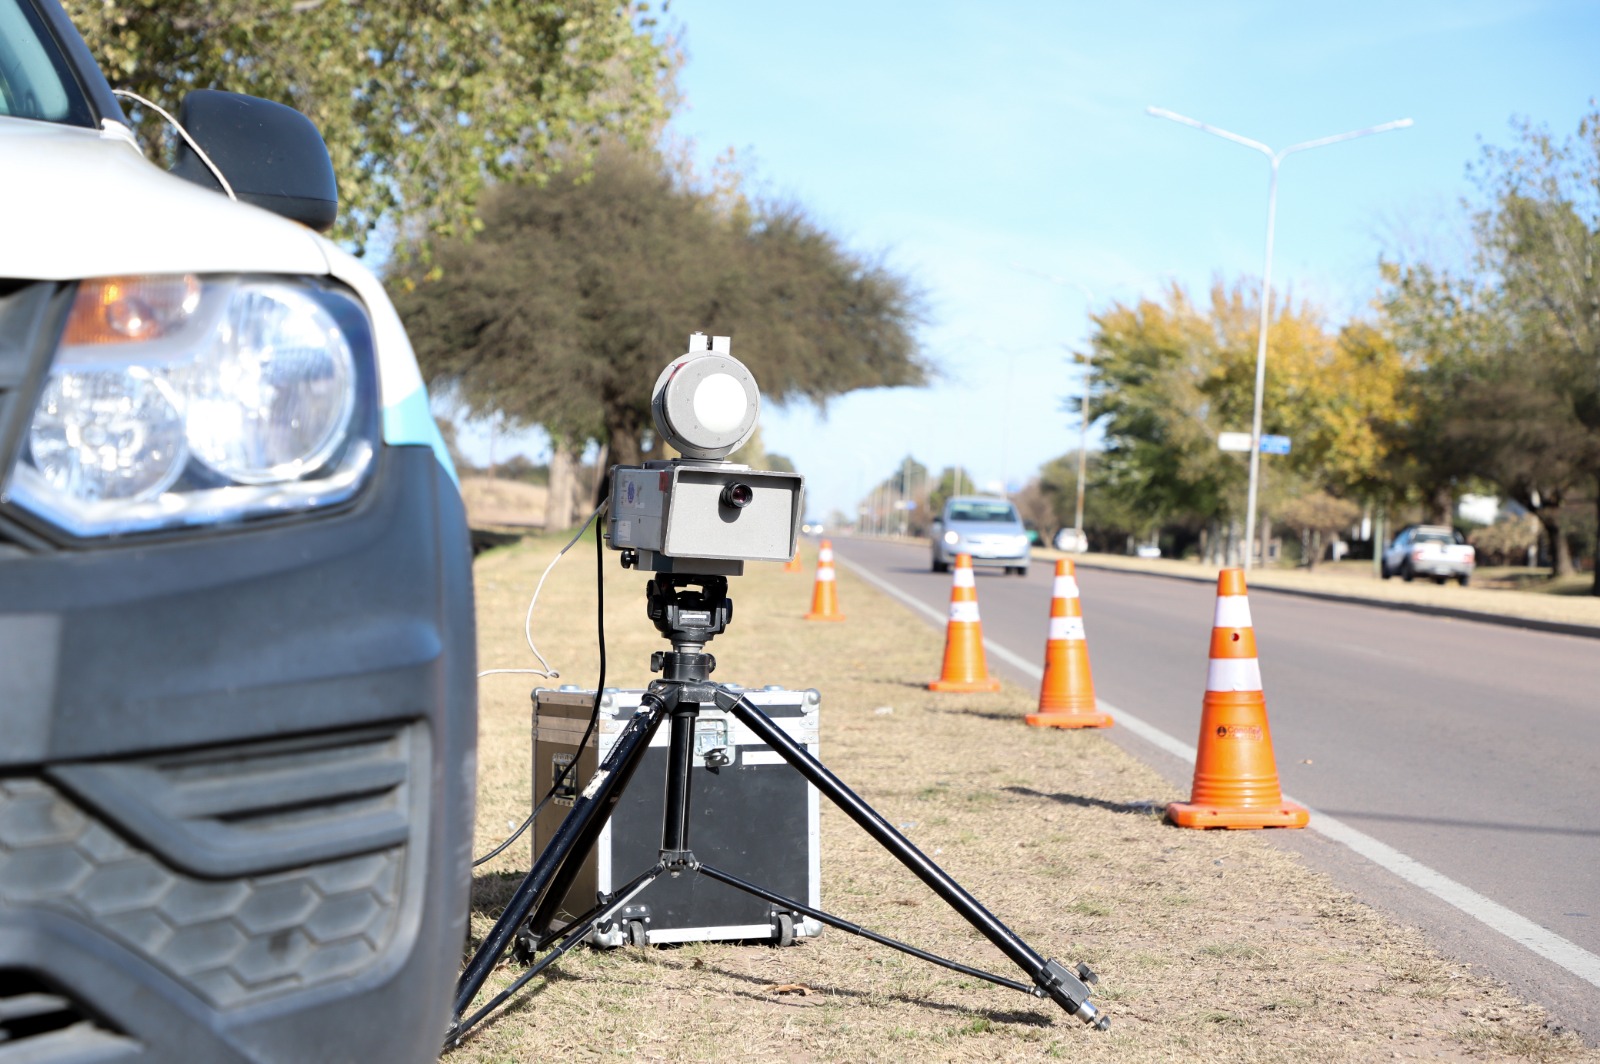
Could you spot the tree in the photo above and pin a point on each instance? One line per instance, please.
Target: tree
(422, 104)
(565, 310)
(1506, 541)
(952, 481)
(1540, 235)
(1315, 514)
(1107, 516)
(1170, 376)
(1505, 378)
(1449, 331)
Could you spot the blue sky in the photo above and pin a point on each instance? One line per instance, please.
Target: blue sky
(956, 140)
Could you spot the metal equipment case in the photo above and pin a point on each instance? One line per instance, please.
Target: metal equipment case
(751, 814)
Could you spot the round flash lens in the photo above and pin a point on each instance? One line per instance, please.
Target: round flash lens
(720, 403)
(113, 434)
(738, 495)
(705, 404)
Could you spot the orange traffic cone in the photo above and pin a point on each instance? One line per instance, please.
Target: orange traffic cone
(1235, 774)
(825, 595)
(965, 668)
(1066, 695)
(793, 564)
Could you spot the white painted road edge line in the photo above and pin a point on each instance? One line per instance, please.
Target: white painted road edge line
(1519, 929)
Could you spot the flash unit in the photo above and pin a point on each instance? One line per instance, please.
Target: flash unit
(705, 403)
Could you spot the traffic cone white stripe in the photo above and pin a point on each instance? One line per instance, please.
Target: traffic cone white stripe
(964, 612)
(964, 578)
(825, 554)
(1233, 611)
(825, 574)
(1066, 587)
(1233, 674)
(1066, 628)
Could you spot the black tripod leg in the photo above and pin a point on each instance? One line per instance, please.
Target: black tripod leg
(570, 937)
(546, 883)
(1063, 987)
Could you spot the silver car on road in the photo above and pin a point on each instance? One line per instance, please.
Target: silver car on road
(988, 530)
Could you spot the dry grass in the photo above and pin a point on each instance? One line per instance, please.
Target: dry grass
(1210, 946)
(495, 503)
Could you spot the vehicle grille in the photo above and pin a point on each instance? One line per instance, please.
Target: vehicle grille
(40, 1024)
(250, 934)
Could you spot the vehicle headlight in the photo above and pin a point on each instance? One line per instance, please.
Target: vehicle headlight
(952, 537)
(179, 400)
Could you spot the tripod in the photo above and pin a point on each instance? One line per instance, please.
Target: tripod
(689, 610)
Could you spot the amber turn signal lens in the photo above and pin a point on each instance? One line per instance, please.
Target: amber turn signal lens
(120, 310)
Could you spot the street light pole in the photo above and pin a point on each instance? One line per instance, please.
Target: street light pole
(1266, 281)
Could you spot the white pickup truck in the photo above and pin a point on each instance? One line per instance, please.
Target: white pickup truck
(1429, 550)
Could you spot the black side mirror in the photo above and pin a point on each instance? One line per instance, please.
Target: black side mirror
(272, 155)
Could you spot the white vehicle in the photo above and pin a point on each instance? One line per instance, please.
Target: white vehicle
(1071, 540)
(238, 722)
(987, 530)
(1435, 551)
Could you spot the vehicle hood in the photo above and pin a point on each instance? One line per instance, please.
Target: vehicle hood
(86, 203)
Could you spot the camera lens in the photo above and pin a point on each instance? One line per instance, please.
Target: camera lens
(737, 495)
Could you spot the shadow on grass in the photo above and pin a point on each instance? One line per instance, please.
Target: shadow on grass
(1031, 1018)
(526, 998)
(491, 891)
(1004, 716)
(1149, 807)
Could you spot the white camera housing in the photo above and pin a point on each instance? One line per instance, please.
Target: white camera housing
(698, 514)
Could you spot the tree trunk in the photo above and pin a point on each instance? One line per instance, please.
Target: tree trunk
(1560, 551)
(1315, 554)
(1594, 589)
(624, 433)
(558, 499)
(1444, 507)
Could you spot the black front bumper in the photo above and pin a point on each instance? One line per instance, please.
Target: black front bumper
(237, 777)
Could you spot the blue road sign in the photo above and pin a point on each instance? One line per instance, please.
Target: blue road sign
(1274, 444)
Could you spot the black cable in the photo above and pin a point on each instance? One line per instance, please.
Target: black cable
(594, 713)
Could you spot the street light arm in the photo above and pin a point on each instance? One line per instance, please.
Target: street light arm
(1401, 123)
(1162, 112)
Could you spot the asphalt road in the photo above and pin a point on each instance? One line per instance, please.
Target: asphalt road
(1470, 748)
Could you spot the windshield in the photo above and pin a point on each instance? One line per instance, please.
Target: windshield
(1436, 537)
(983, 511)
(35, 81)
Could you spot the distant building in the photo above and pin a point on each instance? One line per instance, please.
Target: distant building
(1479, 509)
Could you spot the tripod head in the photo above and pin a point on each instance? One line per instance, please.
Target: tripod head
(688, 609)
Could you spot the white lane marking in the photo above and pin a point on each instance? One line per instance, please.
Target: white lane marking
(1518, 928)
